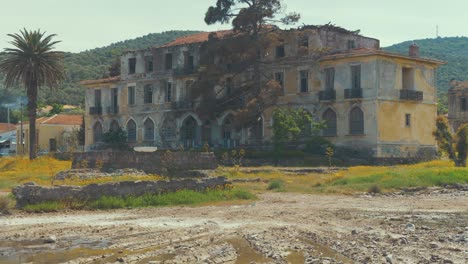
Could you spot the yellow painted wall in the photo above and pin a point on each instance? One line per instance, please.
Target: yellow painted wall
(391, 122)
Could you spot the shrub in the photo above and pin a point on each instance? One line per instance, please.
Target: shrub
(5, 204)
(374, 189)
(276, 184)
(317, 145)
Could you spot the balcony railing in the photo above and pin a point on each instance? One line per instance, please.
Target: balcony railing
(327, 95)
(95, 110)
(411, 95)
(113, 110)
(184, 71)
(353, 93)
(182, 105)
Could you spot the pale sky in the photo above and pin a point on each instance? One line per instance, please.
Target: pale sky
(88, 24)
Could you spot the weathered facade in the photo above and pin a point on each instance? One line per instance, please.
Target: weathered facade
(458, 104)
(373, 100)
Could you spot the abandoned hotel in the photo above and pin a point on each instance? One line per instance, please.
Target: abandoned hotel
(369, 99)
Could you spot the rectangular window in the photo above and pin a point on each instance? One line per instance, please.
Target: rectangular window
(168, 92)
(407, 79)
(279, 77)
(228, 85)
(463, 104)
(280, 53)
(149, 63)
(329, 79)
(351, 44)
(97, 98)
(131, 95)
(114, 100)
(190, 63)
(305, 42)
(188, 90)
(408, 120)
(304, 81)
(148, 94)
(131, 65)
(168, 61)
(356, 77)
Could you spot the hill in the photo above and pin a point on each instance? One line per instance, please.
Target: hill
(91, 64)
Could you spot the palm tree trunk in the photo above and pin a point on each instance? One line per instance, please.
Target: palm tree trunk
(32, 106)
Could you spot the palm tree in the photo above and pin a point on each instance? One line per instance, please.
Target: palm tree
(32, 63)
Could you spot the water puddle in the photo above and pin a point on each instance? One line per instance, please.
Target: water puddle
(327, 252)
(245, 253)
(36, 251)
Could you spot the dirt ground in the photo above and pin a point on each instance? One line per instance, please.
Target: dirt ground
(427, 226)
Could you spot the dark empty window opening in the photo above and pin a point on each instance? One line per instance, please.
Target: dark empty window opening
(463, 106)
(305, 42)
(351, 44)
(356, 121)
(168, 92)
(131, 131)
(148, 94)
(356, 77)
(228, 86)
(407, 78)
(149, 63)
(280, 53)
(168, 61)
(131, 95)
(304, 81)
(408, 120)
(97, 98)
(190, 63)
(329, 79)
(131, 65)
(329, 117)
(279, 77)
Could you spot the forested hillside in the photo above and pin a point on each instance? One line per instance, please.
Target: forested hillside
(91, 64)
(453, 50)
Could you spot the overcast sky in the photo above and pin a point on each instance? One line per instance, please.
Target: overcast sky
(87, 24)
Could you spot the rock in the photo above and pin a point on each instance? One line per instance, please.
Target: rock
(121, 260)
(448, 261)
(50, 240)
(389, 258)
(433, 245)
(410, 227)
(353, 232)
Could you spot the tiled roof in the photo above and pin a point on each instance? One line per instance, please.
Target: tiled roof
(62, 120)
(4, 127)
(196, 38)
(98, 81)
(369, 52)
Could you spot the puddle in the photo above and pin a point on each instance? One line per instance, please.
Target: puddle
(245, 253)
(36, 251)
(328, 252)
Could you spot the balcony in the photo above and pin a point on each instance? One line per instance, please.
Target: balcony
(354, 93)
(327, 95)
(182, 105)
(95, 110)
(184, 71)
(113, 110)
(411, 95)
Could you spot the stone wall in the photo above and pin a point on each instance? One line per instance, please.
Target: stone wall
(166, 163)
(31, 193)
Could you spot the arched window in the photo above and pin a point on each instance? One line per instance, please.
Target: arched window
(189, 132)
(206, 132)
(256, 130)
(114, 126)
(227, 128)
(131, 131)
(356, 121)
(329, 117)
(149, 130)
(97, 132)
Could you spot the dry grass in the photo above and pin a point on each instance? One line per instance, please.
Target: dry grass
(356, 179)
(19, 170)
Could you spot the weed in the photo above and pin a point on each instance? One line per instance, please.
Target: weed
(276, 184)
(374, 188)
(5, 204)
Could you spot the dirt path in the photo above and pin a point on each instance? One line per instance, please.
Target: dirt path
(278, 228)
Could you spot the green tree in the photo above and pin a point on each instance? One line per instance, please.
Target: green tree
(290, 124)
(115, 138)
(225, 58)
(56, 109)
(456, 146)
(33, 63)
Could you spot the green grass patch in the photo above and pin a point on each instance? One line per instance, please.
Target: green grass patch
(183, 197)
(277, 185)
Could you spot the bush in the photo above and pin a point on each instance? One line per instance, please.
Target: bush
(317, 145)
(374, 189)
(277, 185)
(5, 205)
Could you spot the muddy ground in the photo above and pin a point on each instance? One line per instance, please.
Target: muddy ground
(426, 226)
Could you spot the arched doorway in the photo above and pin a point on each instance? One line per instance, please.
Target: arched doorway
(97, 132)
(188, 132)
(148, 131)
(131, 131)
